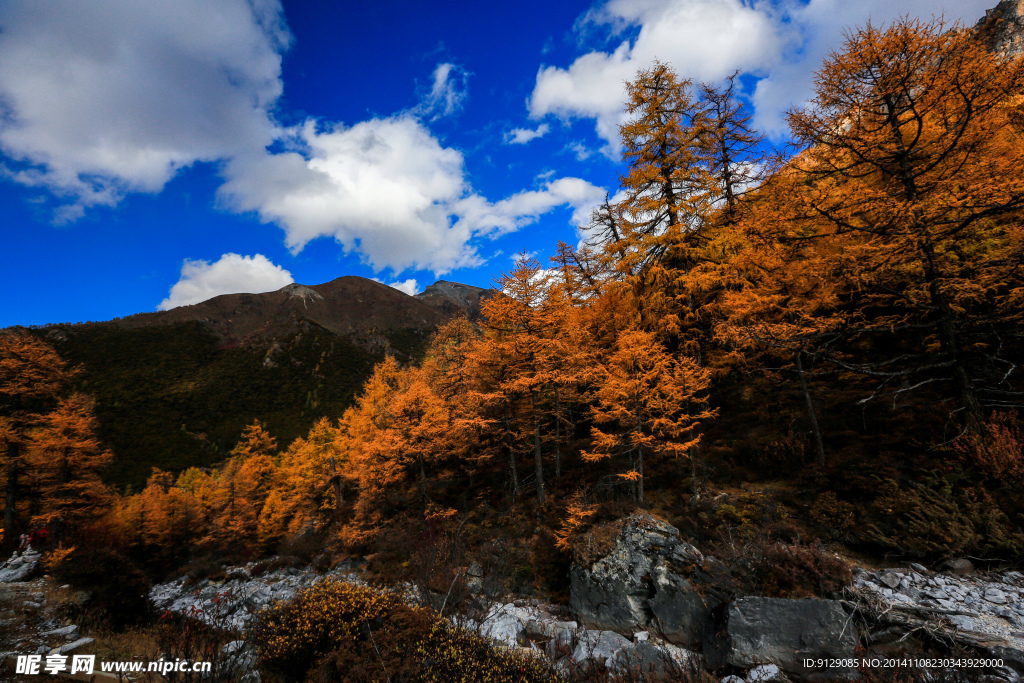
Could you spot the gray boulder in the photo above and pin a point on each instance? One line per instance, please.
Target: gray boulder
(646, 658)
(598, 647)
(643, 584)
(752, 631)
(19, 567)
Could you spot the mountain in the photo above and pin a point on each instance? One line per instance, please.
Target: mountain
(1002, 28)
(349, 306)
(175, 388)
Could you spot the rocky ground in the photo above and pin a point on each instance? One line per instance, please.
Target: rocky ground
(652, 600)
(30, 619)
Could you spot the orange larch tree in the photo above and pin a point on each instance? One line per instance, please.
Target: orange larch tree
(67, 459)
(515, 351)
(904, 211)
(648, 403)
(32, 378)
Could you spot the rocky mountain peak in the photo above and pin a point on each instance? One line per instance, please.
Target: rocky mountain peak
(1002, 28)
(455, 298)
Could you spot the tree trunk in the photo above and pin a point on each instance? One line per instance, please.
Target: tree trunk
(798, 356)
(962, 385)
(336, 481)
(423, 478)
(538, 461)
(695, 482)
(558, 436)
(11, 498)
(640, 471)
(511, 452)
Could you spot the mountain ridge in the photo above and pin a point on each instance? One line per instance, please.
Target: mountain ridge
(346, 306)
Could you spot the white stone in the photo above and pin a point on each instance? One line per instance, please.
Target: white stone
(765, 673)
(64, 649)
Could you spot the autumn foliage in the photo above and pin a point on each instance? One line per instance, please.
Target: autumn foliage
(881, 260)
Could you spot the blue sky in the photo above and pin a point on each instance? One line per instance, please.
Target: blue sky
(158, 153)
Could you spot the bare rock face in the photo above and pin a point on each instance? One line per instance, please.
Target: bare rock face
(454, 298)
(1002, 28)
(751, 631)
(643, 584)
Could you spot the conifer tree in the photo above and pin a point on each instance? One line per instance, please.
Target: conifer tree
(67, 459)
(32, 378)
(515, 352)
(734, 155)
(902, 213)
(648, 402)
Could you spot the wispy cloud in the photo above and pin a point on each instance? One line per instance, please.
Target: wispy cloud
(520, 136)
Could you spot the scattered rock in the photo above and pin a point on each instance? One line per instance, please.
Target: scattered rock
(891, 580)
(475, 578)
(61, 632)
(646, 658)
(505, 624)
(598, 647)
(995, 596)
(20, 567)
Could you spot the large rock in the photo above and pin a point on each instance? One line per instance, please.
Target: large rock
(645, 659)
(506, 624)
(598, 647)
(644, 583)
(752, 631)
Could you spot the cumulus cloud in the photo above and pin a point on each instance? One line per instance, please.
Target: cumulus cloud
(102, 98)
(410, 286)
(230, 274)
(782, 43)
(704, 39)
(388, 189)
(520, 136)
(106, 97)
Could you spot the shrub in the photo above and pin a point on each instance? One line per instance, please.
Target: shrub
(118, 590)
(779, 570)
(290, 637)
(340, 631)
(205, 634)
(414, 646)
(944, 515)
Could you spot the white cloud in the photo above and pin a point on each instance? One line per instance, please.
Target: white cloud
(520, 136)
(821, 24)
(387, 188)
(113, 96)
(231, 274)
(410, 286)
(512, 213)
(102, 98)
(706, 40)
(521, 256)
(448, 92)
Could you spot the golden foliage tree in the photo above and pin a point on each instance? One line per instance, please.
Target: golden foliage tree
(892, 243)
(648, 402)
(67, 459)
(32, 378)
